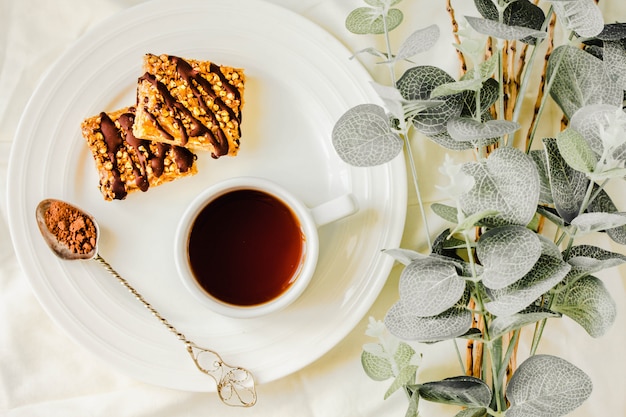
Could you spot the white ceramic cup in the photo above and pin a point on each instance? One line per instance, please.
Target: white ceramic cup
(309, 220)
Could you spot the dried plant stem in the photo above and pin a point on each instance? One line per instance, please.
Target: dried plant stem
(455, 28)
(524, 68)
(477, 370)
(469, 356)
(506, 77)
(540, 92)
(513, 80)
(541, 224)
(474, 348)
(512, 365)
(521, 63)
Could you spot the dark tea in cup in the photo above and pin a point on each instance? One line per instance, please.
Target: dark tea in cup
(246, 247)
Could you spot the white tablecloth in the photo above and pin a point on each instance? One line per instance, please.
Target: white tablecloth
(44, 373)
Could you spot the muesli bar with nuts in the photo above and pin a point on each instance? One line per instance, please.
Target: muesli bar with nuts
(191, 103)
(126, 163)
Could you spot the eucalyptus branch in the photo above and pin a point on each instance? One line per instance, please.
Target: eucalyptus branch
(416, 186)
(509, 356)
(544, 99)
(495, 354)
(529, 67)
(541, 90)
(458, 355)
(390, 65)
(512, 276)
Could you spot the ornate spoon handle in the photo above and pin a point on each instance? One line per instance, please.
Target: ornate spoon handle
(235, 385)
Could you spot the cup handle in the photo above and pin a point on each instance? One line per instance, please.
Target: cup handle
(334, 209)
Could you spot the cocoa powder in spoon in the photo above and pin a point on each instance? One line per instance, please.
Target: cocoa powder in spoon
(71, 227)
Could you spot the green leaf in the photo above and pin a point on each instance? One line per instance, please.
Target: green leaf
(603, 203)
(404, 256)
(505, 324)
(489, 94)
(376, 367)
(472, 334)
(589, 304)
(391, 98)
(581, 16)
(444, 242)
(485, 69)
(547, 272)
(614, 58)
(407, 326)
(456, 87)
(446, 212)
(363, 137)
(517, 13)
(473, 220)
(465, 391)
(419, 41)
(413, 108)
(546, 386)
(467, 129)
(403, 355)
(413, 408)
(376, 362)
(540, 159)
(430, 286)
(580, 79)
(595, 222)
(455, 243)
(588, 259)
(507, 182)
(406, 376)
(487, 9)
(608, 174)
(603, 127)
(472, 412)
(445, 140)
(580, 252)
(502, 30)
(417, 83)
(613, 32)
(568, 185)
(507, 254)
(369, 20)
(576, 151)
(371, 51)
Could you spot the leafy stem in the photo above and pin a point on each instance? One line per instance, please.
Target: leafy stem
(544, 100)
(495, 353)
(501, 85)
(391, 63)
(528, 71)
(418, 193)
(485, 287)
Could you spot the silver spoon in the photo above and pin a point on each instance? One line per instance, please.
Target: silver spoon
(235, 385)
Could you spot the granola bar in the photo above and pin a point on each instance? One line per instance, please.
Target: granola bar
(191, 103)
(125, 163)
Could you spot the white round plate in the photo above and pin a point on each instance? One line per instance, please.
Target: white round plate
(300, 80)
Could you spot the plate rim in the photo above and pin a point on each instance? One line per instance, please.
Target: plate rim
(16, 210)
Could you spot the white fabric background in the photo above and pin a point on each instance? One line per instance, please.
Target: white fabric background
(44, 373)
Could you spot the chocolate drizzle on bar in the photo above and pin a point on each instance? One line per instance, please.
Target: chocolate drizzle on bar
(139, 169)
(114, 143)
(185, 121)
(144, 156)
